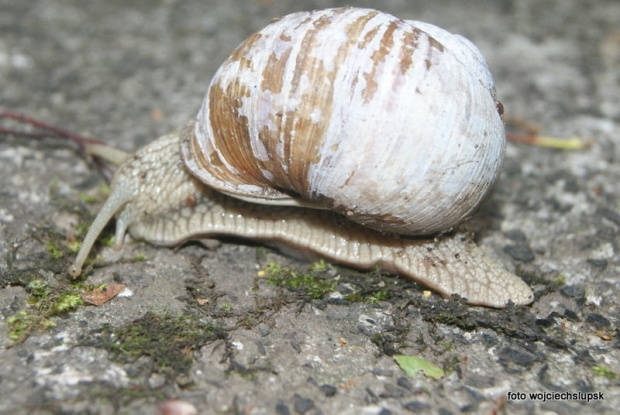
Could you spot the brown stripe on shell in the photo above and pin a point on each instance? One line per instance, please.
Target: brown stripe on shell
(301, 135)
(435, 47)
(378, 58)
(243, 54)
(231, 136)
(409, 44)
(272, 78)
(312, 134)
(435, 44)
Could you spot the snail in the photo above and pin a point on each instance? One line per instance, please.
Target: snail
(347, 133)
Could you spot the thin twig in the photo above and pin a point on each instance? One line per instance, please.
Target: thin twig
(50, 131)
(572, 143)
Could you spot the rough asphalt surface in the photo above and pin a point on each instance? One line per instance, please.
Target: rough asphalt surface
(202, 326)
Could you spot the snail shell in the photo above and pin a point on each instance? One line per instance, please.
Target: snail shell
(391, 123)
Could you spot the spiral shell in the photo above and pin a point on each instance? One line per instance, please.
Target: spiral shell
(391, 123)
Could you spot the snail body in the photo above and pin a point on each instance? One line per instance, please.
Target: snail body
(325, 132)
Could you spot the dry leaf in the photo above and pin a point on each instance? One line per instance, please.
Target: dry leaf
(99, 296)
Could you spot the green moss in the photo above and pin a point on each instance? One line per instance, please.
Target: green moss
(371, 295)
(604, 371)
(451, 362)
(557, 282)
(85, 286)
(107, 241)
(454, 315)
(37, 288)
(99, 196)
(22, 323)
(168, 340)
(273, 269)
(139, 258)
(448, 346)
(88, 198)
(67, 301)
(317, 282)
(379, 295)
(74, 247)
(54, 251)
(82, 228)
(319, 266)
(44, 302)
(312, 283)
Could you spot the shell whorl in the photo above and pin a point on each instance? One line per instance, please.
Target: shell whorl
(355, 110)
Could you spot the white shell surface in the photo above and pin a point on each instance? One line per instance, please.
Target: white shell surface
(392, 123)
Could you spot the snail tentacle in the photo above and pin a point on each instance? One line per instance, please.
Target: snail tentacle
(106, 152)
(117, 199)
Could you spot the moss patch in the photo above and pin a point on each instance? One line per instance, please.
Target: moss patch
(44, 303)
(312, 283)
(169, 341)
(604, 371)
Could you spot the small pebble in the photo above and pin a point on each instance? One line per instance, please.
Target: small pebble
(519, 357)
(416, 406)
(543, 322)
(383, 372)
(303, 405)
(392, 391)
(520, 253)
(608, 214)
(282, 409)
(573, 291)
(516, 235)
(404, 383)
(571, 315)
(329, 390)
(600, 264)
(598, 321)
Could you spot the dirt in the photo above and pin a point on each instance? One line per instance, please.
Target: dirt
(238, 328)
